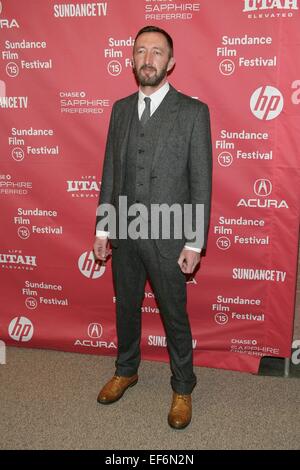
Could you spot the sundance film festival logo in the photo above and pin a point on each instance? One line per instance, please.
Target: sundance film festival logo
(89, 267)
(221, 318)
(20, 329)
(266, 103)
(263, 188)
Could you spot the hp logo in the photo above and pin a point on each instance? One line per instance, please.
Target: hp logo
(20, 329)
(266, 103)
(88, 267)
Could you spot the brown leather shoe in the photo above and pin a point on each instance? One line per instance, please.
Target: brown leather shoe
(180, 414)
(115, 388)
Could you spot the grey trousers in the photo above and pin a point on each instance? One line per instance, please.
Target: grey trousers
(133, 261)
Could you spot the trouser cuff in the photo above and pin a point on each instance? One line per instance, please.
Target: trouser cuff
(183, 388)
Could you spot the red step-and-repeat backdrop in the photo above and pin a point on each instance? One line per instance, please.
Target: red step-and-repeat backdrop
(62, 66)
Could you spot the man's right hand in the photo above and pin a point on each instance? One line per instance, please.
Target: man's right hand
(101, 248)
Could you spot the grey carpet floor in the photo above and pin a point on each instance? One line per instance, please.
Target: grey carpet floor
(48, 401)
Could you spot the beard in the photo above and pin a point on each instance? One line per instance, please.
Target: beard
(153, 80)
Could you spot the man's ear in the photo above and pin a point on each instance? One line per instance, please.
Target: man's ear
(171, 64)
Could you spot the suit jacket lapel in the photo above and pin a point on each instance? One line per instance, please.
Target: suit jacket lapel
(125, 131)
(126, 121)
(168, 120)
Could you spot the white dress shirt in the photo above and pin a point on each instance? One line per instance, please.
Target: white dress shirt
(156, 99)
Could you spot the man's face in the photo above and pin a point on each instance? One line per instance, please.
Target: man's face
(151, 59)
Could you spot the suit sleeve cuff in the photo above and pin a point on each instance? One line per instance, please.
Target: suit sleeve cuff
(102, 233)
(198, 250)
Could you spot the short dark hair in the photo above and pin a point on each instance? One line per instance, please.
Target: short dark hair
(155, 29)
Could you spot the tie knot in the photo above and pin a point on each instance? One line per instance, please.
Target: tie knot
(147, 101)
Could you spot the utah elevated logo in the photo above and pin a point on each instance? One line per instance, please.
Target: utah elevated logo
(254, 5)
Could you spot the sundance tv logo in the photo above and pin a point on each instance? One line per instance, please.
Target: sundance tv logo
(266, 103)
(20, 329)
(73, 10)
(88, 266)
(15, 102)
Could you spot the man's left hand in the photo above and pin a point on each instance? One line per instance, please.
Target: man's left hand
(188, 260)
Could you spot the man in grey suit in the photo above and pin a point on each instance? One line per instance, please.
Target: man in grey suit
(158, 152)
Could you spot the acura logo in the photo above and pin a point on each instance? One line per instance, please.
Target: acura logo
(262, 187)
(95, 330)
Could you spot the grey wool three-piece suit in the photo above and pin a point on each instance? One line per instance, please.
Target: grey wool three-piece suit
(166, 161)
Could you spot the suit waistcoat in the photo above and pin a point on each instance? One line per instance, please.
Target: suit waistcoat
(139, 157)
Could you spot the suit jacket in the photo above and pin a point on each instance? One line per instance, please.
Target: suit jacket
(182, 161)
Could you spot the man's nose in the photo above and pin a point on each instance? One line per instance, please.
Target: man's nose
(148, 58)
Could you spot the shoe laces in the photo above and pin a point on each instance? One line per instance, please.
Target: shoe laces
(115, 381)
(183, 397)
(117, 378)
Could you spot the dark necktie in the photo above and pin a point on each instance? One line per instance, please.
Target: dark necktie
(146, 113)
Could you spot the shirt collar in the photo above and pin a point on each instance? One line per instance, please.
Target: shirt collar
(157, 96)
